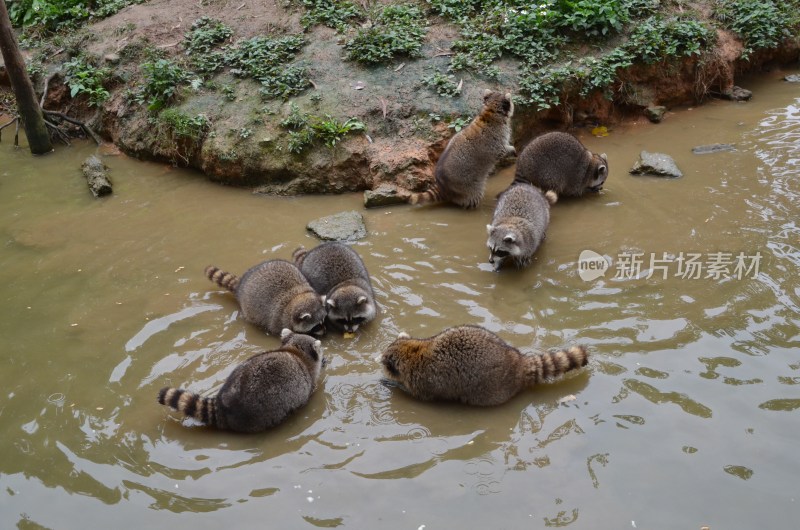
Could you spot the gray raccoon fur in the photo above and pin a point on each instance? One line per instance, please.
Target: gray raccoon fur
(261, 392)
(471, 365)
(519, 224)
(335, 270)
(559, 162)
(465, 164)
(274, 295)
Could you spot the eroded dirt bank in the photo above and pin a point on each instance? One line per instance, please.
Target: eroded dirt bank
(407, 124)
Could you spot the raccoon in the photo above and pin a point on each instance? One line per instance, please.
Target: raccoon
(335, 270)
(465, 164)
(274, 295)
(261, 392)
(519, 224)
(559, 162)
(471, 365)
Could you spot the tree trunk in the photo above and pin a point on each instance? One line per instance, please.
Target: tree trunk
(29, 111)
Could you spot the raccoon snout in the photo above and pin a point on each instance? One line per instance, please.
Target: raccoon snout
(318, 330)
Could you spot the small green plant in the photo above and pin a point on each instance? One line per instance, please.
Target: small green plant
(594, 18)
(295, 119)
(331, 131)
(56, 14)
(760, 23)
(397, 30)
(162, 78)
(335, 14)
(229, 92)
(459, 123)
(300, 140)
(444, 85)
(265, 60)
(245, 133)
(84, 78)
(200, 41)
(181, 125)
(305, 129)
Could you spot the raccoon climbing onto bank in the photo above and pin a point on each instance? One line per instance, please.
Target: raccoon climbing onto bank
(261, 392)
(274, 295)
(465, 164)
(559, 162)
(519, 224)
(471, 365)
(336, 271)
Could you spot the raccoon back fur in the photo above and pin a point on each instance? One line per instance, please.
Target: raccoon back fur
(519, 224)
(471, 365)
(274, 295)
(465, 164)
(261, 392)
(559, 162)
(335, 270)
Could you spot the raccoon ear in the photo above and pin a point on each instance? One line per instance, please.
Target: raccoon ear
(331, 303)
(305, 316)
(604, 157)
(506, 105)
(602, 170)
(285, 332)
(486, 92)
(510, 238)
(403, 335)
(489, 229)
(317, 344)
(361, 300)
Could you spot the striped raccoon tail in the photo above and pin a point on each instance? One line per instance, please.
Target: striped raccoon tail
(551, 196)
(299, 255)
(550, 365)
(192, 405)
(222, 278)
(434, 194)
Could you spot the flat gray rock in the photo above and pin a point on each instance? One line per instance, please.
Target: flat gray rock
(384, 195)
(712, 148)
(793, 78)
(657, 164)
(344, 226)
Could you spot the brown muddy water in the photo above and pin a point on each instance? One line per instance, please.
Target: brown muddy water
(686, 416)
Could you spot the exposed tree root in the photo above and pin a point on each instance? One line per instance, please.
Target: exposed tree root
(55, 122)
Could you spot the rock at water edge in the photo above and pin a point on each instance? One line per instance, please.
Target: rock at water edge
(344, 226)
(657, 164)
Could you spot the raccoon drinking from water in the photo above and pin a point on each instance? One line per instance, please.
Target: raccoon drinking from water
(519, 224)
(471, 365)
(274, 295)
(335, 270)
(559, 162)
(261, 392)
(465, 164)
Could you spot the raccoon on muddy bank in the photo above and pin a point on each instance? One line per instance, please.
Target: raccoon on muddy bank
(261, 392)
(336, 271)
(559, 162)
(274, 295)
(519, 224)
(471, 365)
(465, 164)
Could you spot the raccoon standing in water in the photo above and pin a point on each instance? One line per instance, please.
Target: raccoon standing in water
(559, 162)
(274, 295)
(336, 271)
(471, 365)
(261, 392)
(519, 224)
(465, 164)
